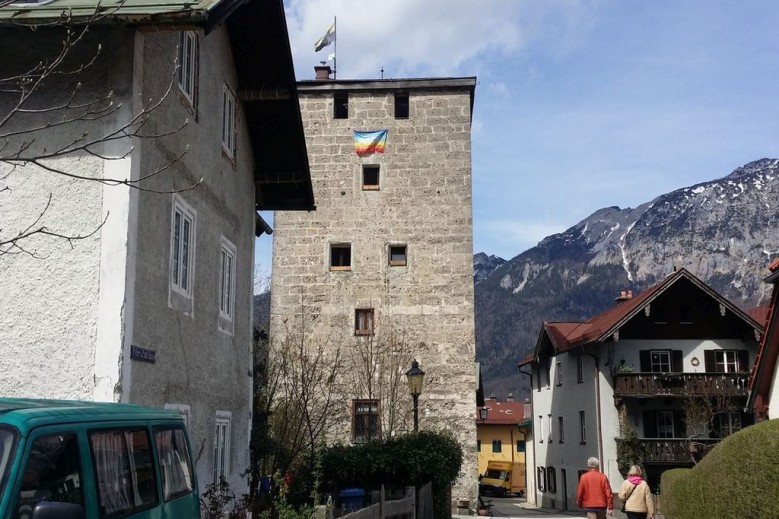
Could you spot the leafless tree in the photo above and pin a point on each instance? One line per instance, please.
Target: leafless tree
(49, 112)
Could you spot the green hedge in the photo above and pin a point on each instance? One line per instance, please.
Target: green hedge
(407, 460)
(738, 478)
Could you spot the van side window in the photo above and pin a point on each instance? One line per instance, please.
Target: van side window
(52, 473)
(175, 463)
(125, 472)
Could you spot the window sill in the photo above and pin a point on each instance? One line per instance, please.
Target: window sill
(340, 269)
(370, 188)
(363, 334)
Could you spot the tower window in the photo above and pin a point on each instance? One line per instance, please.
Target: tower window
(341, 106)
(401, 105)
(370, 177)
(341, 256)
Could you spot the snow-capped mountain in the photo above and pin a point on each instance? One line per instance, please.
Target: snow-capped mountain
(725, 232)
(483, 265)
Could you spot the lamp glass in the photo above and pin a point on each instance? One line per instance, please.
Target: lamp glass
(415, 378)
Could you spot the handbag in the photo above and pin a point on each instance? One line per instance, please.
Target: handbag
(626, 498)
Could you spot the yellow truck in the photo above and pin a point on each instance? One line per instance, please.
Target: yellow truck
(502, 478)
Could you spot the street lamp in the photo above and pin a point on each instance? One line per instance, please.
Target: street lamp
(483, 411)
(415, 378)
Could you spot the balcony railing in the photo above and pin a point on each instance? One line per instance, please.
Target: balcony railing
(676, 451)
(680, 384)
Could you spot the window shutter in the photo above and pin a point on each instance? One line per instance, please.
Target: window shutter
(743, 360)
(709, 362)
(650, 424)
(643, 356)
(676, 361)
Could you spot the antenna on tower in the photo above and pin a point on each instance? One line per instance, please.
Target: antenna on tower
(382, 72)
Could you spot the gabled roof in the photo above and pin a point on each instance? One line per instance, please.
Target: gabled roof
(564, 336)
(767, 353)
(259, 41)
(502, 413)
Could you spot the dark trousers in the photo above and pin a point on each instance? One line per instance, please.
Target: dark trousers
(636, 515)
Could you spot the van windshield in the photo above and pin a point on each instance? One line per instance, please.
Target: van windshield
(495, 474)
(7, 449)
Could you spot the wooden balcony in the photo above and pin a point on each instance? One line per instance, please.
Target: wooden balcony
(673, 451)
(680, 384)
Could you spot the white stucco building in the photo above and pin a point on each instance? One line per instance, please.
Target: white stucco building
(152, 303)
(641, 366)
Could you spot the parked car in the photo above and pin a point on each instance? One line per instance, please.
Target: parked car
(502, 478)
(88, 460)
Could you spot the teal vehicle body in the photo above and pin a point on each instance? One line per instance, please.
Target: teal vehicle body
(88, 460)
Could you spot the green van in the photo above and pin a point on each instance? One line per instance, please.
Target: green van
(88, 460)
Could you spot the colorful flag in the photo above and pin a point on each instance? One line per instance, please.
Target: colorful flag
(325, 40)
(366, 143)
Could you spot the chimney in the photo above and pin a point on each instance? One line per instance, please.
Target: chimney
(526, 408)
(323, 72)
(624, 295)
(510, 397)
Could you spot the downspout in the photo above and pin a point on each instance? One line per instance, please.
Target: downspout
(535, 460)
(597, 407)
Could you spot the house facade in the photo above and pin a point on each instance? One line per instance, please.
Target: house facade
(659, 378)
(381, 274)
(764, 381)
(151, 303)
(502, 435)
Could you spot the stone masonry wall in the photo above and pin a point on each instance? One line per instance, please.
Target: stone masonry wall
(424, 202)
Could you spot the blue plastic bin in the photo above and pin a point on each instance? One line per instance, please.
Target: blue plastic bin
(352, 499)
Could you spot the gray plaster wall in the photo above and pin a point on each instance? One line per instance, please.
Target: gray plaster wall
(424, 202)
(198, 365)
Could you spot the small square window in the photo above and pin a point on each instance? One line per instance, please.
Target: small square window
(520, 446)
(341, 256)
(397, 256)
(370, 177)
(497, 446)
(363, 321)
(401, 105)
(341, 106)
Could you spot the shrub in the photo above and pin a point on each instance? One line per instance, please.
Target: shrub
(737, 478)
(409, 460)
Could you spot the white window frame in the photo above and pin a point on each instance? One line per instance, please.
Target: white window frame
(222, 433)
(187, 65)
(726, 361)
(227, 269)
(181, 278)
(228, 121)
(665, 424)
(663, 361)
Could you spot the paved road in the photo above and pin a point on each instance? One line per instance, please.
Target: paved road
(517, 508)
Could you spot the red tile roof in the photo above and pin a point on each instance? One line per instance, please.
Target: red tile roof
(502, 413)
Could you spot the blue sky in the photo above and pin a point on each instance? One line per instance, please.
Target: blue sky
(579, 104)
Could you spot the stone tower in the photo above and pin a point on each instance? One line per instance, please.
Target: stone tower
(382, 272)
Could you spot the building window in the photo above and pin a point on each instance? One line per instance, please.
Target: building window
(226, 279)
(370, 177)
(222, 444)
(665, 424)
(582, 428)
(401, 105)
(520, 446)
(182, 246)
(560, 426)
(341, 106)
(551, 480)
(365, 420)
(228, 122)
(540, 429)
(580, 369)
(541, 476)
(550, 428)
(478, 445)
(660, 361)
(725, 361)
(397, 256)
(729, 423)
(187, 60)
(363, 321)
(497, 446)
(341, 256)
(559, 373)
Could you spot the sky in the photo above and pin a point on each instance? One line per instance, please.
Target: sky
(579, 104)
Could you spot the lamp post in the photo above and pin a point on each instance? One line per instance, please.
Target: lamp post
(483, 411)
(415, 377)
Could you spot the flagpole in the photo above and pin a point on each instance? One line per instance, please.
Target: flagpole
(335, 48)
